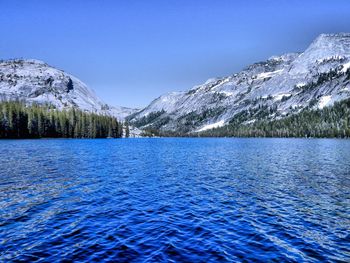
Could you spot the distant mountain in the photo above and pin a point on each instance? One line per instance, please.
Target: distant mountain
(36, 81)
(271, 90)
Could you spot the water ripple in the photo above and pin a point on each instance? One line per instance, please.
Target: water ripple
(175, 200)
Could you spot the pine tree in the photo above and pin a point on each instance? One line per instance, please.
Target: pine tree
(20, 121)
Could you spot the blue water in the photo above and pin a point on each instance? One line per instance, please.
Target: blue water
(175, 200)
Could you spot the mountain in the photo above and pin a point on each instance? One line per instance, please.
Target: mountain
(35, 81)
(271, 90)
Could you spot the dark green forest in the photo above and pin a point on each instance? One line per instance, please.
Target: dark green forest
(329, 122)
(18, 120)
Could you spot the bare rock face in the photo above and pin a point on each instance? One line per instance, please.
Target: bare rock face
(35, 81)
(283, 85)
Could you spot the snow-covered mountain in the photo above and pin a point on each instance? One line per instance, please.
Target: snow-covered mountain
(284, 85)
(36, 81)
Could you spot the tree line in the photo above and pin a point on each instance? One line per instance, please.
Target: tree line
(18, 120)
(329, 122)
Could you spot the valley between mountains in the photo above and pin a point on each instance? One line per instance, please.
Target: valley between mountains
(292, 95)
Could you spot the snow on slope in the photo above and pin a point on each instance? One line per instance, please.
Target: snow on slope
(324, 101)
(345, 68)
(265, 75)
(285, 84)
(35, 81)
(212, 126)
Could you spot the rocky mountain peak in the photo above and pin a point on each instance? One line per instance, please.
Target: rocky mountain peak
(271, 89)
(34, 81)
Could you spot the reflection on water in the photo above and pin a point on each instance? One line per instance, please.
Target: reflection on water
(151, 200)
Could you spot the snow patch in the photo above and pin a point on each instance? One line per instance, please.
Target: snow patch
(346, 66)
(227, 93)
(265, 75)
(212, 126)
(250, 122)
(280, 96)
(324, 101)
(219, 84)
(300, 85)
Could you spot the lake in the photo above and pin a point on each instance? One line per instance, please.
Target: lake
(175, 200)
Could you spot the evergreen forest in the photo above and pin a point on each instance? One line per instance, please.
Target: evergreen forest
(18, 120)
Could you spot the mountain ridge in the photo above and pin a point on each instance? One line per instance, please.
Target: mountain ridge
(34, 81)
(285, 84)
(267, 90)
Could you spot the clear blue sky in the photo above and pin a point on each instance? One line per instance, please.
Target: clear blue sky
(130, 52)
